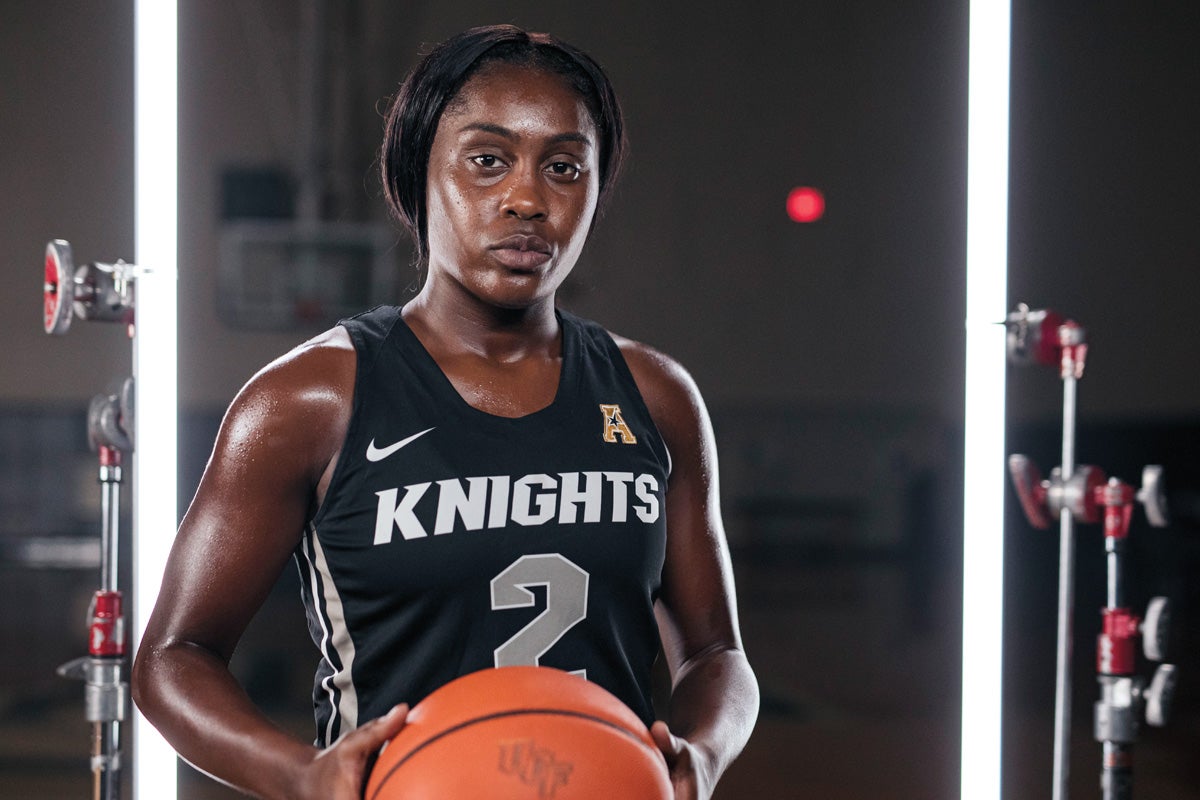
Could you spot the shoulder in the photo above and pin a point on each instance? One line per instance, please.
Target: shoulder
(307, 374)
(670, 393)
(656, 373)
(299, 404)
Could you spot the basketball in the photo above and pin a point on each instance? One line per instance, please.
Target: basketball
(520, 733)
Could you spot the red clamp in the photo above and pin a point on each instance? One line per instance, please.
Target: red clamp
(1045, 339)
(106, 633)
(1115, 644)
(109, 456)
(1045, 500)
(1074, 349)
(1117, 498)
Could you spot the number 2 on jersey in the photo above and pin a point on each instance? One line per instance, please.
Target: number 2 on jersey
(566, 605)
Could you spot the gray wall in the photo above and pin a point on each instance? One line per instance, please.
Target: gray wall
(696, 256)
(727, 112)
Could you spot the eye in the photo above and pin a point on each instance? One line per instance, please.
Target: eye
(565, 169)
(487, 161)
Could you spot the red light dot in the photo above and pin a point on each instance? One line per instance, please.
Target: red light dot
(805, 204)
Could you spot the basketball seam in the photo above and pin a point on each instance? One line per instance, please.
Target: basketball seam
(498, 715)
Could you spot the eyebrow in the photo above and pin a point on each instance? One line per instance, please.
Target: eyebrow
(500, 130)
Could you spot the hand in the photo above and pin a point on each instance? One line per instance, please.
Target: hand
(339, 772)
(685, 762)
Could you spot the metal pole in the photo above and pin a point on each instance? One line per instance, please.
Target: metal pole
(110, 510)
(1066, 595)
(106, 690)
(1116, 773)
(1121, 698)
(106, 761)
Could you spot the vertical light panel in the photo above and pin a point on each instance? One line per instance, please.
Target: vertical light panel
(984, 476)
(154, 359)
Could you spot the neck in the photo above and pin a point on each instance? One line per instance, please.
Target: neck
(453, 320)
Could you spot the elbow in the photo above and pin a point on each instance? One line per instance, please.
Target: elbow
(141, 676)
(149, 676)
(741, 684)
(753, 695)
(727, 667)
(744, 683)
(723, 657)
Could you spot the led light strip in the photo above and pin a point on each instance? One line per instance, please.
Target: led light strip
(154, 361)
(984, 476)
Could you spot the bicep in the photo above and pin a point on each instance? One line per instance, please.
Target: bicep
(697, 611)
(229, 551)
(246, 519)
(696, 608)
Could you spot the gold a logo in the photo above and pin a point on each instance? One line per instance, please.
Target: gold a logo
(614, 425)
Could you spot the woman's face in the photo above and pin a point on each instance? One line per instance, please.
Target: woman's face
(513, 183)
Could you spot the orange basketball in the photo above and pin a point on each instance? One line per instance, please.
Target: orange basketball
(520, 733)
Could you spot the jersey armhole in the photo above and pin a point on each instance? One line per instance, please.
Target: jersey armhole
(366, 354)
(658, 444)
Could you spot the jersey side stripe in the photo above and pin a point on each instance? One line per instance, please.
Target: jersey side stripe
(343, 697)
(318, 608)
(307, 580)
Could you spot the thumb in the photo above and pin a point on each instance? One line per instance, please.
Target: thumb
(381, 729)
(670, 744)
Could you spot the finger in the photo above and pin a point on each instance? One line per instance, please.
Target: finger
(392, 722)
(379, 730)
(667, 742)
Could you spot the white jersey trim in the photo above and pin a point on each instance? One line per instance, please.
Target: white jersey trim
(335, 634)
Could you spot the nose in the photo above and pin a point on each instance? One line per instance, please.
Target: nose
(524, 198)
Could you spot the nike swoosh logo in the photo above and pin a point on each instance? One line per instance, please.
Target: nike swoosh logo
(379, 453)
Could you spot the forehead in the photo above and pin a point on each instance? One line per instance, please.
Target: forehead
(523, 99)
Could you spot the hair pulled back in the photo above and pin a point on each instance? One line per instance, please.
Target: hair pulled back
(412, 119)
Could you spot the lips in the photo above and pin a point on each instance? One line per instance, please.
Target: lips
(522, 251)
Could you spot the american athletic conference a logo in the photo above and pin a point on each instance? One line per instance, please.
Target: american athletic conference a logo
(614, 424)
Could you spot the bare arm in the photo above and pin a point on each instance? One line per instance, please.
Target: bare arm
(714, 696)
(273, 457)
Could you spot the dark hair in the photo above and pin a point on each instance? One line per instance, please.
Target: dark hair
(414, 115)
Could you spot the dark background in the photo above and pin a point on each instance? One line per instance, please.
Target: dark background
(831, 354)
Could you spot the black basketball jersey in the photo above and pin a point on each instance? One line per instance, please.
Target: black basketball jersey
(452, 540)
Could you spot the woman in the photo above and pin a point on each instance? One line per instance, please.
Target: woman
(425, 465)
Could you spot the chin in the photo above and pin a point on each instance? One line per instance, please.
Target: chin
(519, 292)
(517, 301)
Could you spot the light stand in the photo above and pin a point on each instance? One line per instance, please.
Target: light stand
(1084, 495)
(100, 292)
